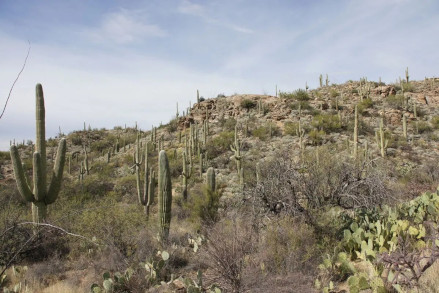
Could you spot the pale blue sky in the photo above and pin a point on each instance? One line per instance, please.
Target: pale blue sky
(116, 62)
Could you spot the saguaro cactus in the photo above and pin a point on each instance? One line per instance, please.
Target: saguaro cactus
(236, 148)
(186, 174)
(356, 133)
(381, 140)
(210, 179)
(41, 195)
(138, 161)
(164, 195)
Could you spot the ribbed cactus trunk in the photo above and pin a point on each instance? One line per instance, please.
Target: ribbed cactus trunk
(41, 196)
(210, 178)
(164, 196)
(356, 133)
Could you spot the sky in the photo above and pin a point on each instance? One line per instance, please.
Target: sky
(111, 63)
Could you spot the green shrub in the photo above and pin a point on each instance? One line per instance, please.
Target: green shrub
(203, 205)
(424, 127)
(316, 136)
(76, 138)
(4, 156)
(227, 124)
(220, 144)
(265, 132)
(364, 104)
(327, 122)
(291, 128)
(172, 125)
(299, 95)
(248, 104)
(304, 106)
(333, 93)
(395, 101)
(435, 122)
(408, 87)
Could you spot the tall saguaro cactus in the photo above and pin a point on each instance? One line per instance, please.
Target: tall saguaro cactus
(382, 142)
(164, 195)
(210, 179)
(41, 196)
(146, 196)
(356, 133)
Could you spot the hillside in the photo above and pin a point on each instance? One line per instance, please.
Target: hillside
(301, 204)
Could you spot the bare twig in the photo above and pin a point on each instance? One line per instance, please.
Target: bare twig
(35, 235)
(18, 76)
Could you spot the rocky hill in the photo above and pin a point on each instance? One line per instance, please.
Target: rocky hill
(293, 172)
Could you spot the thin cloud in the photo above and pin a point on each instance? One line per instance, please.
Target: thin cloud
(124, 27)
(193, 9)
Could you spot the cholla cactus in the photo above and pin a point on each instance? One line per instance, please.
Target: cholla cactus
(41, 196)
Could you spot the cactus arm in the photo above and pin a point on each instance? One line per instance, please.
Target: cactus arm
(57, 173)
(22, 184)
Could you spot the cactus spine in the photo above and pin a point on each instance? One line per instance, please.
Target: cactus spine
(41, 196)
(164, 195)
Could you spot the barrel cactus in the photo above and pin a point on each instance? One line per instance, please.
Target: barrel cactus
(164, 195)
(41, 196)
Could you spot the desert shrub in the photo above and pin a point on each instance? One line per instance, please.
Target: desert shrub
(395, 101)
(364, 104)
(327, 123)
(363, 128)
(112, 224)
(304, 106)
(288, 245)
(97, 187)
(248, 104)
(316, 136)
(408, 87)
(266, 131)
(101, 145)
(227, 124)
(4, 156)
(203, 205)
(230, 244)
(435, 122)
(291, 128)
(333, 93)
(332, 181)
(126, 185)
(423, 127)
(76, 138)
(220, 143)
(299, 95)
(172, 125)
